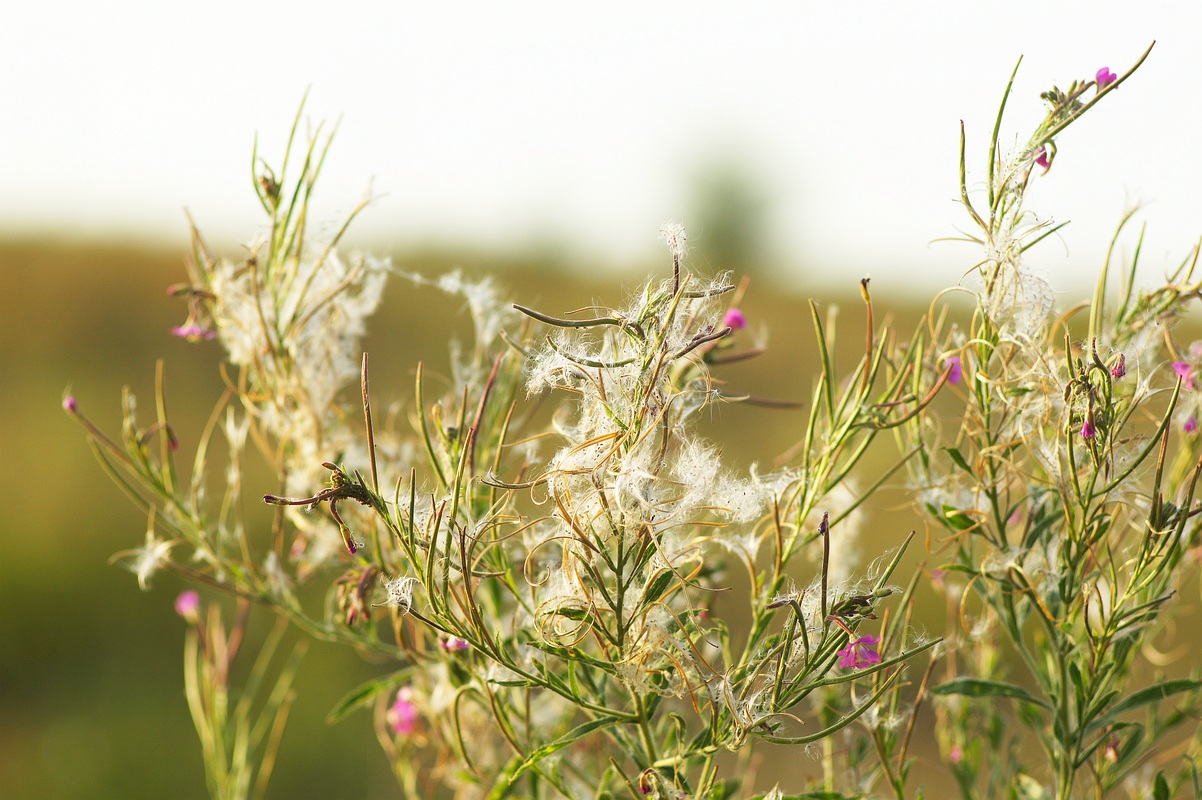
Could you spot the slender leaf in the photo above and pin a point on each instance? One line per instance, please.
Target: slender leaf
(579, 732)
(358, 697)
(976, 687)
(955, 456)
(1152, 694)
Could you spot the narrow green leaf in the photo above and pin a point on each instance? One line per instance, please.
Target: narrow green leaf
(1100, 704)
(657, 588)
(828, 369)
(1152, 694)
(975, 687)
(504, 781)
(572, 655)
(1160, 788)
(955, 456)
(580, 731)
(956, 519)
(356, 698)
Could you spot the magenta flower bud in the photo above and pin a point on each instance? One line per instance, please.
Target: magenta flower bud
(1185, 372)
(1120, 367)
(187, 605)
(453, 643)
(734, 319)
(69, 404)
(1041, 158)
(1088, 429)
(193, 333)
(1105, 77)
(955, 369)
(1191, 424)
(402, 716)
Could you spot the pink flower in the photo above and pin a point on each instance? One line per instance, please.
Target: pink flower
(1088, 429)
(734, 319)
(402, 716)
(1185, 372)
(859, 654)
(956, 754)
(69, 404)
(955, 370)
(1191, 424)
(193, 333)
(1105, 77)
(1041, 158)
(1120, 367)
(187, 605)
(453, 643)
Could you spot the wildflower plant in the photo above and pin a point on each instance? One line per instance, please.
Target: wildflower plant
(239, 743)
(1067, 496)
(544, 557)
(544, 590)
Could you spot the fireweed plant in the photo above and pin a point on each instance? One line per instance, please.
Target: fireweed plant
(1067, 493)
(535, 554)
(543, 591)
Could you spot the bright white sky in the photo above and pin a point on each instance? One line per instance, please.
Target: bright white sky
(504, 124)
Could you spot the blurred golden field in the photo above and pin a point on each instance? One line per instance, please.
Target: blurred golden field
(91, 686)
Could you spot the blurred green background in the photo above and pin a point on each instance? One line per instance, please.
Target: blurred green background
(91, 681)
